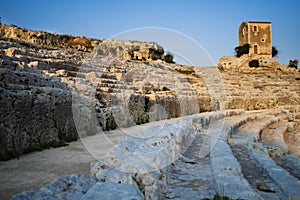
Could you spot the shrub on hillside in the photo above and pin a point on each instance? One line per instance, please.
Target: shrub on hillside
(254, 63)
(274, 52)
(241, 50)
(168, 58)
(294, 63)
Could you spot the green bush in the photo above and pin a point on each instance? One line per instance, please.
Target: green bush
(153, 57)
(274, 52)
(141, 119)
(254, 63)
(241, 50)
(168, 58)
(293, 63)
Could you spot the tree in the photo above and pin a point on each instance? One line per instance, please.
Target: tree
(241, 50)
(168, 58)
(294, 63)
(274, 52)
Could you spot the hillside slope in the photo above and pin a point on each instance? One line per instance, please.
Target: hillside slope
(55, 87)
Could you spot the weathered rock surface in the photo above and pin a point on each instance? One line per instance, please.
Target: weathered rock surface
(73, 186)
(242, 63)
(144, 160)
(113, 191)
(54, 89)
(99, 87)
(222, 159)
(49, 39)
(130, 50)
(35, 113)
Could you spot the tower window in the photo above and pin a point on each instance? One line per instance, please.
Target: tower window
(244, 31)
(255, 49)
(263, 39)
(255, 28)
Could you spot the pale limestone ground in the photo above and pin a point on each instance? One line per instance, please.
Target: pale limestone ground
(191, 176)
(34, 170)
(37, 169)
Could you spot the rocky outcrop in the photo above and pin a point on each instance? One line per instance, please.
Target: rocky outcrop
(78, 186)
(45, 83)
(35, 113)
(37, 109)
(130, 50)
(259, 62)
(49, 39)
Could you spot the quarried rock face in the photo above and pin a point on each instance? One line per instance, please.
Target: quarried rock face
(120, 84)
(130, 50)
(49, 39)
(34, 115)
(41, 85)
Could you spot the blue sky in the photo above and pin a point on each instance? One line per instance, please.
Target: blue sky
(212, 24)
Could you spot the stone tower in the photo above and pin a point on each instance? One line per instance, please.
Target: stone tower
(258, 35)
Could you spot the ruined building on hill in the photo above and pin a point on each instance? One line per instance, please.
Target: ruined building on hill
(258, 35)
